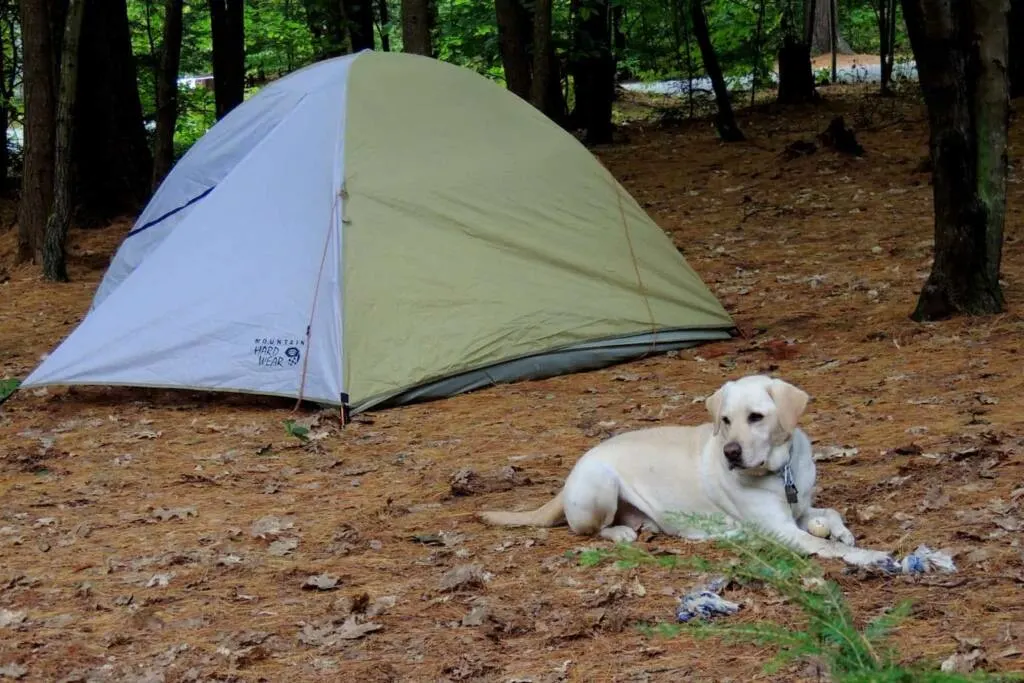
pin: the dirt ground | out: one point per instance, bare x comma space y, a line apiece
164, 536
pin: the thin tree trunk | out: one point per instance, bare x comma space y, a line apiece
545, 92
227, 24
515, 35
167, 91
755, 73
725, 121
833, 36
5, 106
40, 120
384, 17
417, 27
55, 240
961, 51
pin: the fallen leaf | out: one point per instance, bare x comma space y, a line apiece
13, 670
323, 582
476, 616
271, 525
283, 546
10, 618
963, 663
835, 452
159, 580
465, 576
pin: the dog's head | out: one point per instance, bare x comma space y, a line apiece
752, 416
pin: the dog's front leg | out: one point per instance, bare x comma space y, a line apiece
785, 528
837, 528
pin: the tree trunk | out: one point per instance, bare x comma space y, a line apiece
227, 25
725, 121
5, 106
886, 43
1016, 48
796, 79
56, 235
961, 50
111, 160
167, 92
821, 37
545, 93
834, 37
384, 18
40, 120
515, 35
10, 74
360, 18
417, 27
593, 70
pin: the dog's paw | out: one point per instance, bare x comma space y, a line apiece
874, 559
844, 536
619, 534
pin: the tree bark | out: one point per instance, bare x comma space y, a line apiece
112, 161
360, 18
167, 91
821, 36
515, 35
886, 19
55, 239
1016, 48
725, 120
417, 27
39, 134
227, 24
10, 73
545, 91
961, 51
593, 69
796, 79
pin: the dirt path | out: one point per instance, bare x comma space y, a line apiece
162, 536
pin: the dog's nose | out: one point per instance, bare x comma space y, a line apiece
733, 453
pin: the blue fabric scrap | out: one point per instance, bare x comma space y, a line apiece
704, 602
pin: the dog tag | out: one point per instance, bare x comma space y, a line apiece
790, 485
791, 493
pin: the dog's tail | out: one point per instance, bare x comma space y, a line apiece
550, 514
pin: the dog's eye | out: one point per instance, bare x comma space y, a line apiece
755, 417
726, 420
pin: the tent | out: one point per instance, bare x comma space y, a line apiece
380, 228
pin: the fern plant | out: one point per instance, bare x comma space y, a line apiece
829, 633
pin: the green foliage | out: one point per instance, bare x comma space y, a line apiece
829, 632
8, 387
292, 428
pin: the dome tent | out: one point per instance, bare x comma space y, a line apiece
380, 228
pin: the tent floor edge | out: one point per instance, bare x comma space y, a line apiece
579, 358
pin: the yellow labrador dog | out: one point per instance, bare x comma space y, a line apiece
750, 463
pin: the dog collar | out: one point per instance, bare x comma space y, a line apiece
787, 478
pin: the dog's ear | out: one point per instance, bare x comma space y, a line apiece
790, 403
714, 405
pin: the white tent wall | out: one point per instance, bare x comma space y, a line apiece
210, 160
225, 299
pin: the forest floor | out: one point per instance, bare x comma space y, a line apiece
151, 536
